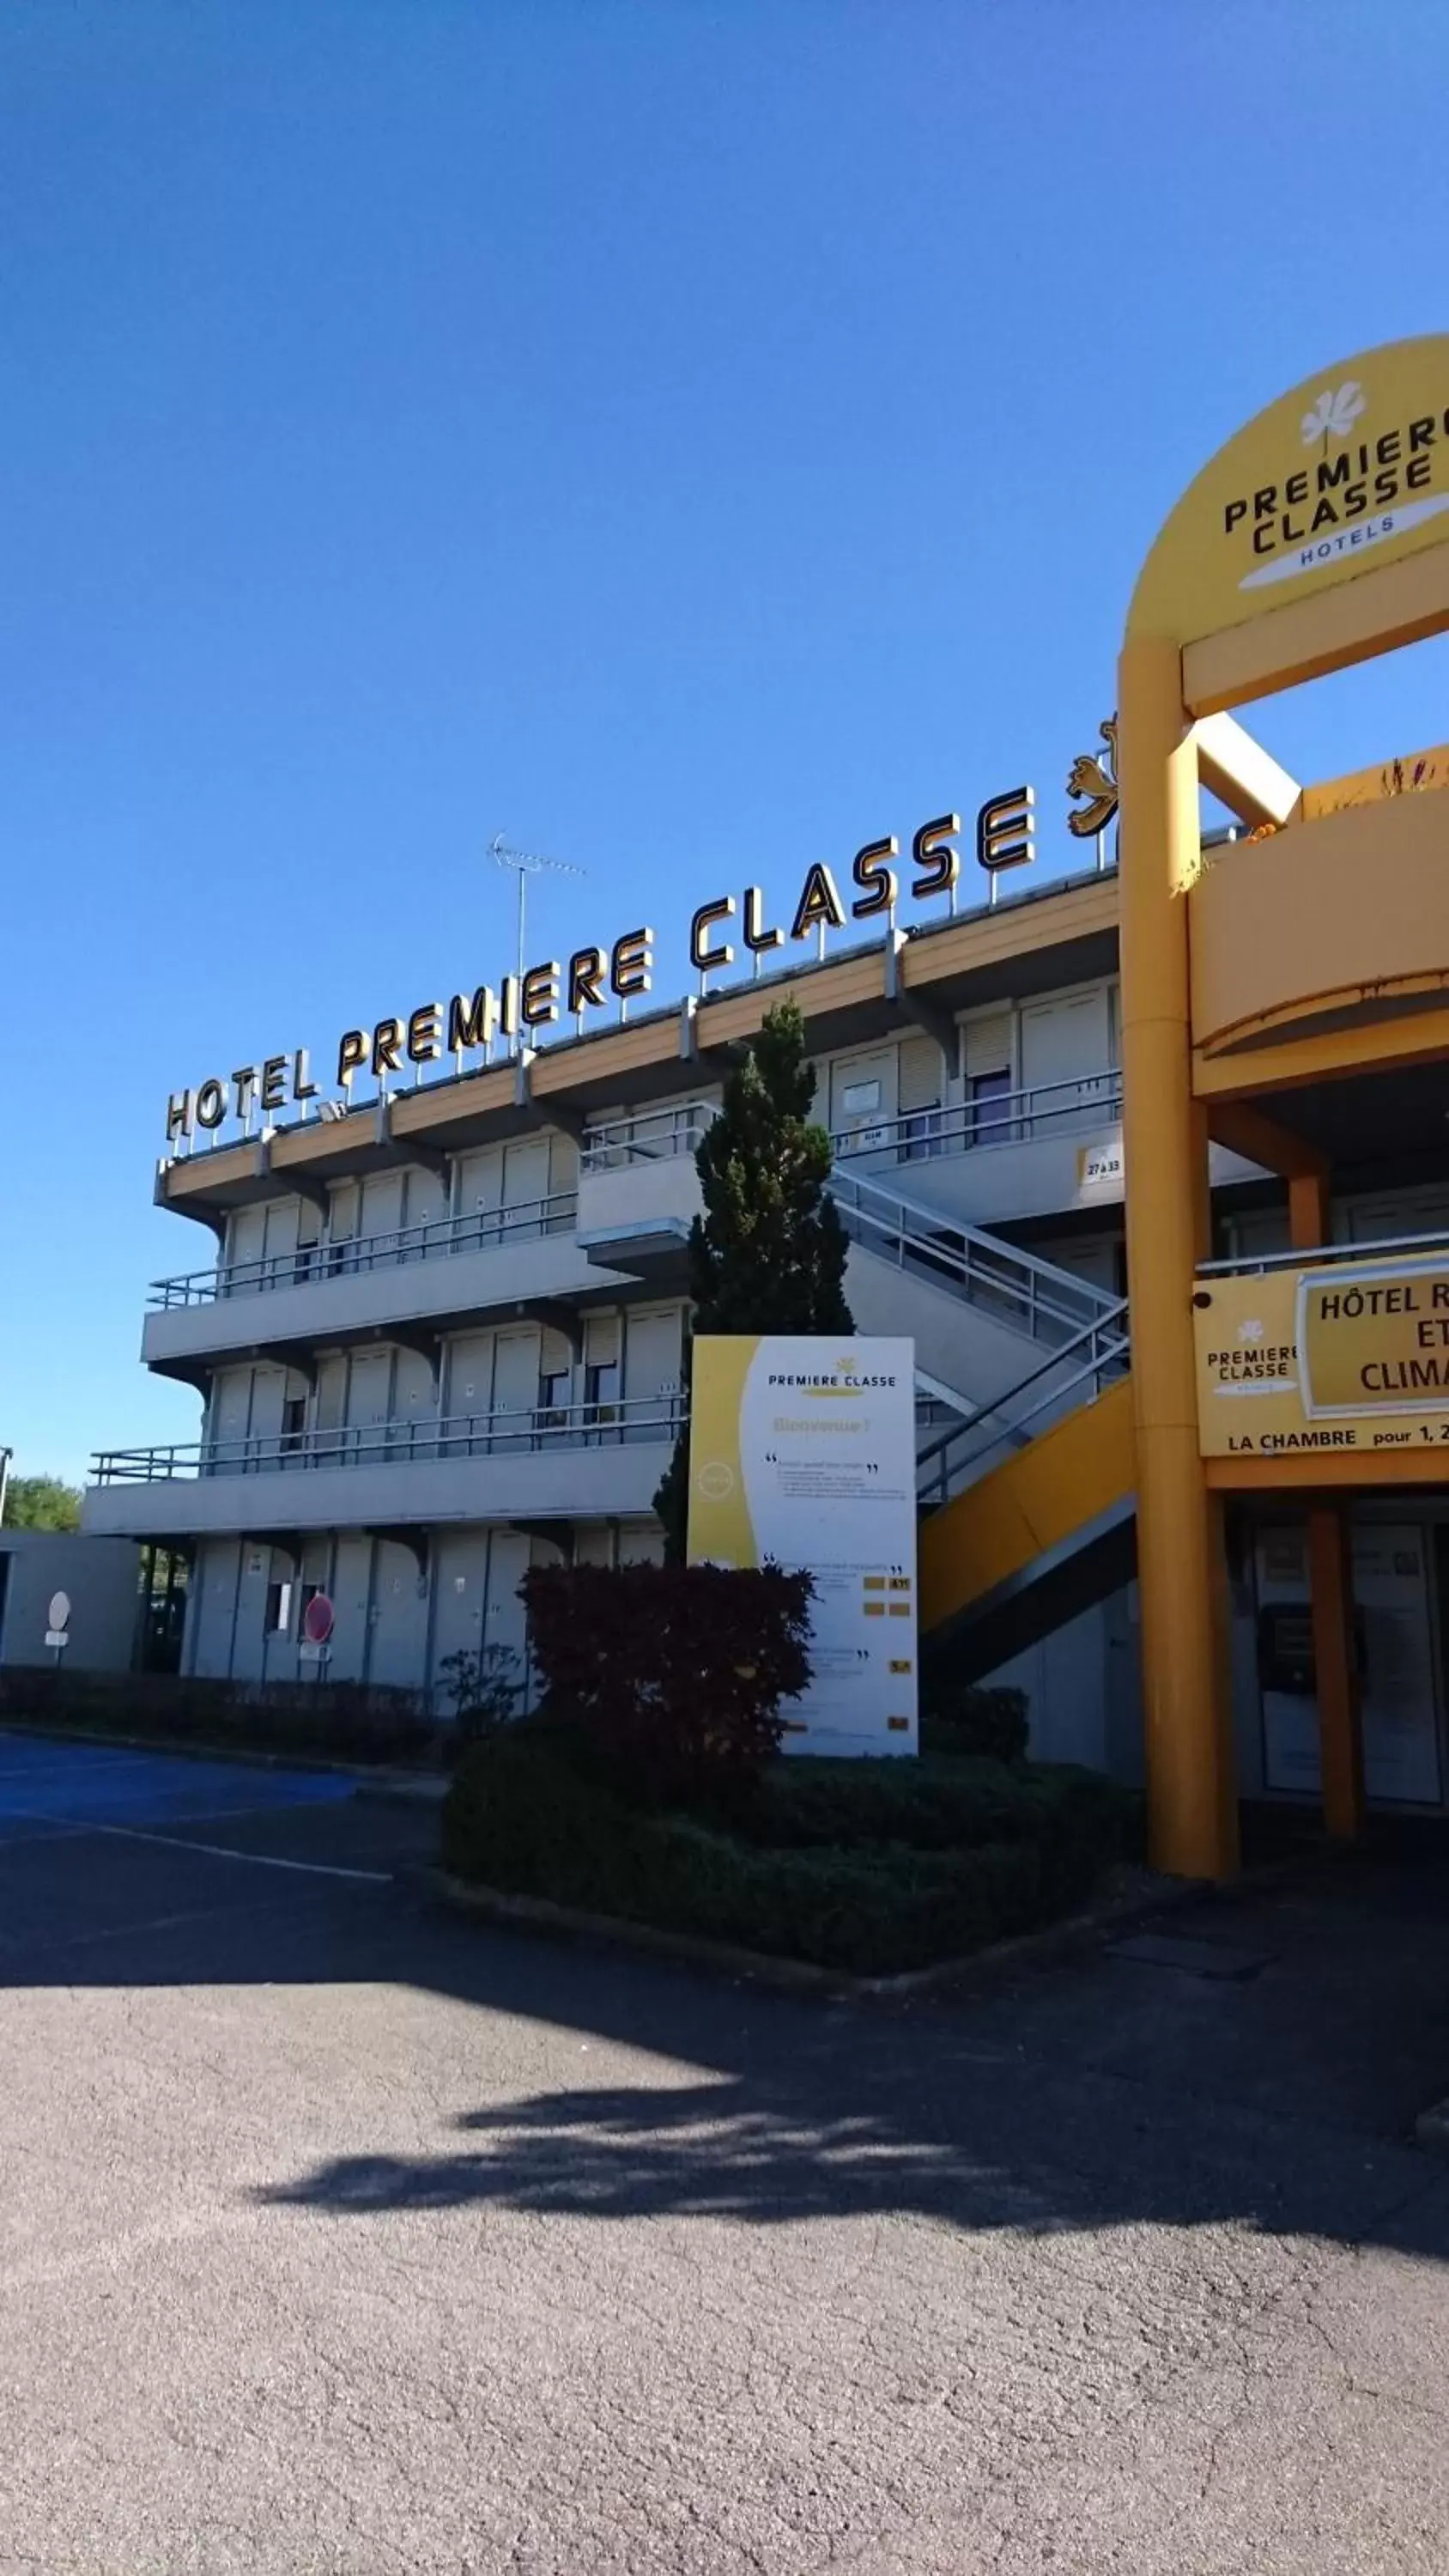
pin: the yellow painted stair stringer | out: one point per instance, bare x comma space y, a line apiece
1033, 1501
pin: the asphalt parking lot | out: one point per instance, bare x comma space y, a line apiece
341, 2235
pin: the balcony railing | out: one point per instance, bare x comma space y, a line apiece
1006, 1118
476, 1231
650, 1136
653, 1136
498, 1434
1253, 1265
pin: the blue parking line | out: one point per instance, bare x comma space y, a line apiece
42, 1781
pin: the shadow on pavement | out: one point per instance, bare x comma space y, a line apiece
1096, 2092
1101, 2091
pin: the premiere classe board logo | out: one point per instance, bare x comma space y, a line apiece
1351, 486
844, 1377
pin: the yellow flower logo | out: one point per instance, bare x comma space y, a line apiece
1334, 414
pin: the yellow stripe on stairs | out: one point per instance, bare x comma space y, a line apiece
1033, 1501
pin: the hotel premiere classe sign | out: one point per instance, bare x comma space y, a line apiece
1349, 1356
594, 978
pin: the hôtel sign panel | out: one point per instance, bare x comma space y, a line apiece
1352, 1355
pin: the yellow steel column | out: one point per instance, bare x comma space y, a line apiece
1340, 1725
1308, 1211
1330, 1585
1192, 1800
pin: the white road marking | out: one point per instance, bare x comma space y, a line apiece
218, 1851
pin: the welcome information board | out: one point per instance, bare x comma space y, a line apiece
803, 1453
1352, 1355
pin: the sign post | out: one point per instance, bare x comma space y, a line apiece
803, 1454
57, 1624
318, 1621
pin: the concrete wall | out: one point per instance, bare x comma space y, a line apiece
102, 1577
393, 1626
1083, 1689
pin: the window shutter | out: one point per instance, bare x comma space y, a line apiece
988, 1044
601, 1340
554, 1356
920, 1074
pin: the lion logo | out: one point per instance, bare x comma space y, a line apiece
1097, 780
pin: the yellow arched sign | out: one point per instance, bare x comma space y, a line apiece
1348, 471
1311, 542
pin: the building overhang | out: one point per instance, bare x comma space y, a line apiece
1062, 933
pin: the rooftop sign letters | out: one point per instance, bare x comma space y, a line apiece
1347, 470
594, 978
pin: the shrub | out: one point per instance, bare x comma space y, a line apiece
871, 1913
525, 1815
1080, 1822
677, 1672
968, 1717
485, 1686
926, 1805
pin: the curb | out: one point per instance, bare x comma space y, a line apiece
374, 1780
401, 1788
794, 1976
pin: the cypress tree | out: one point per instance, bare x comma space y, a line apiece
768, 1255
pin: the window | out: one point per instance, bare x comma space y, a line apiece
920, 1068
859, 1099
294, 1423
279, 1609
988, 1095
601, 1391
309, 1228
554, 1389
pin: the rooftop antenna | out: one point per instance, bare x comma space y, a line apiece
526, 864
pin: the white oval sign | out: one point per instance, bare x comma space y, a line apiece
59, 1612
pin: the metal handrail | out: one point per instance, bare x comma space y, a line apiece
647, 1136
980, 1266
464, 1435
964, 1126
470, 1231
1252, 1266
939, 1462
650, 1135
1010, 1117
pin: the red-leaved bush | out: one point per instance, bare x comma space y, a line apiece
678, 1670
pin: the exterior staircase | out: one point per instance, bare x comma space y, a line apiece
980, 1309
1029, 1513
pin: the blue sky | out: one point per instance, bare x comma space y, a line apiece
693, 438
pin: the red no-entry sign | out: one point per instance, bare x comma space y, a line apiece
318, 1619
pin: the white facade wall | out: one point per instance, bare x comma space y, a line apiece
395, 1627
101, 1579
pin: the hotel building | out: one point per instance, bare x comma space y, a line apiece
439, 1333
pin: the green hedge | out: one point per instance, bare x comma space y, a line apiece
856, 1875
929, 1804
968, 1717
336, 1721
